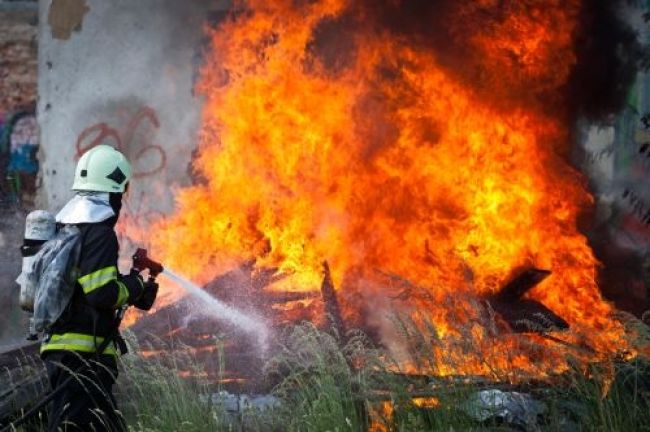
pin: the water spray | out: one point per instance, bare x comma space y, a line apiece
215, 307
220, 310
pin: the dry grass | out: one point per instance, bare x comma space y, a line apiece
329, 384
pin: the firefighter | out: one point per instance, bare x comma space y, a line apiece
87, 401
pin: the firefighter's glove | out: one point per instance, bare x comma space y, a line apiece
134, 285
149, 293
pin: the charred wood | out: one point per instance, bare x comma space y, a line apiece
528, 316
12, 356
525, 315
521, 284
332, 308
22, 380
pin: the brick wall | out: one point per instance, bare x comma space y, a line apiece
18, 61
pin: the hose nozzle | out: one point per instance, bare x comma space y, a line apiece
141, 262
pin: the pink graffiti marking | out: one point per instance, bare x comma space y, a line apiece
126, 141
96, 134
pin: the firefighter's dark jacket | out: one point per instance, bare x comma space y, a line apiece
100, 290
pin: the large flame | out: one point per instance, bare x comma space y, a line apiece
359, 147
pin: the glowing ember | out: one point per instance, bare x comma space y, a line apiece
328, 136
381, 414
426, 402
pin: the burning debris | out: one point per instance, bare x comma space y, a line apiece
366, 136
398, 167
525, 315
332, 308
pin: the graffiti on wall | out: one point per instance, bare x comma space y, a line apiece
137, 139
617, 162
134, 140
632, 168
24, 143
19, 141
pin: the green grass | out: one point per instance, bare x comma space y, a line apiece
327, 388
154, 397
604, 398
329, 384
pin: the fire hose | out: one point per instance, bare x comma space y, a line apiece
140, 262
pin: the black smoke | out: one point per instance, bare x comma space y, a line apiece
608, 57
608, 52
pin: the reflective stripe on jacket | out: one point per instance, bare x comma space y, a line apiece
76, 342
100, 290
99, 279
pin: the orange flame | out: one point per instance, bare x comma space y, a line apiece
387, 162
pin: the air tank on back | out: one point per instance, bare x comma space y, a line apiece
40, 226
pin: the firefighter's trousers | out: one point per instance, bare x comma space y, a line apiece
87, 402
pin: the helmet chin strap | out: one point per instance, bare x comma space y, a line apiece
115, 200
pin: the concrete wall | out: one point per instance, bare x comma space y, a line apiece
618, 164
120, 72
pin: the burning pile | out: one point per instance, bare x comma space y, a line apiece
417, 147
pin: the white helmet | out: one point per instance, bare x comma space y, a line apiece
102, 169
